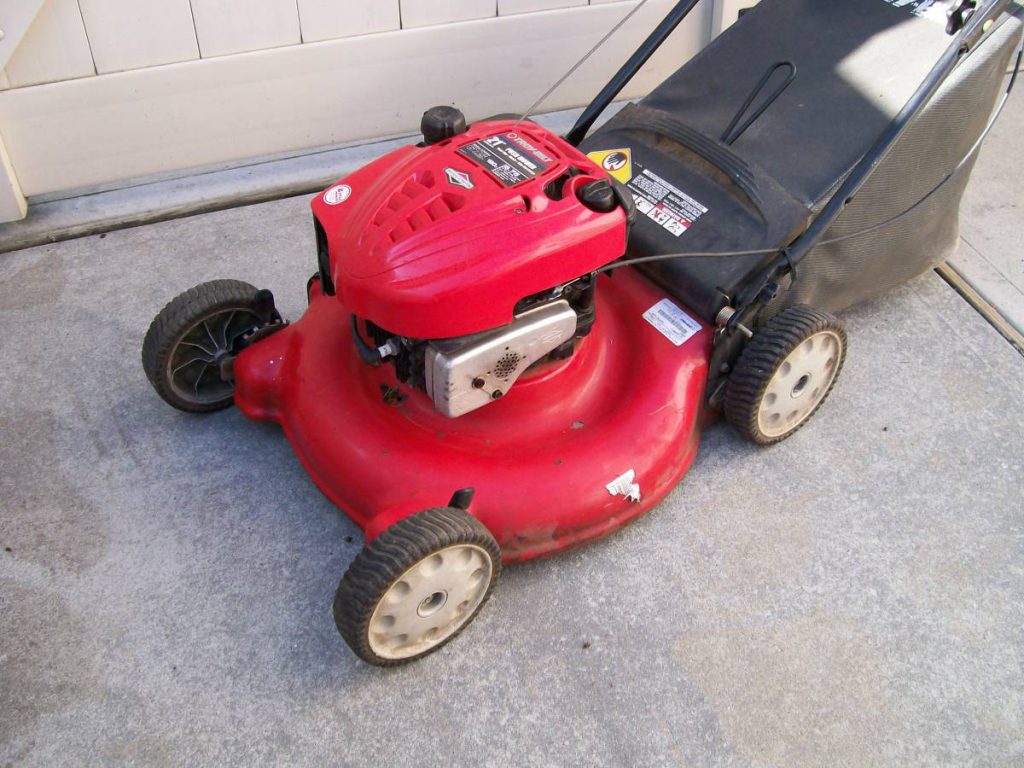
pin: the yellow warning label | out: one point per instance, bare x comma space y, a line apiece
618, 163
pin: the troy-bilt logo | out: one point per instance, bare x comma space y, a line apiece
528, 146
459, 178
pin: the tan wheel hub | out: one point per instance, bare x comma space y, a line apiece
430, 602
800, 384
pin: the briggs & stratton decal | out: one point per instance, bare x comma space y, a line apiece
459, 178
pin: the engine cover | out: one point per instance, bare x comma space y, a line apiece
443, 241
467, 373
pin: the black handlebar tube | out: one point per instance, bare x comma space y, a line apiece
667, 26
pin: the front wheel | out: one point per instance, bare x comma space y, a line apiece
194, 337
416, 586
785, 373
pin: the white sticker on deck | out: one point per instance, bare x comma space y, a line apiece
625, 485
674, 324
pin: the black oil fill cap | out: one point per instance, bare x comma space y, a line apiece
598, 196
440, 123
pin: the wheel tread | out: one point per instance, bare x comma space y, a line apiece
172, 321
387, 557
763, 355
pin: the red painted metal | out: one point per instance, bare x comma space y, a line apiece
406, 234
539, 458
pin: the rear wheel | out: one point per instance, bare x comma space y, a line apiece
785, 373
416, 586
191, 340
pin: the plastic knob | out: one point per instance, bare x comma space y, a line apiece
440, 123
598, 196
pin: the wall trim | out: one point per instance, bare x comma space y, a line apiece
100, 129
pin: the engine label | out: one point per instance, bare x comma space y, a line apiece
459, 178
673, 323
508, 157
664, 203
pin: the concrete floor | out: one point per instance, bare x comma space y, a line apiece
850, 597
990, 255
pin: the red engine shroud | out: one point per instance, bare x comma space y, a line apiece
425, 223
540, 458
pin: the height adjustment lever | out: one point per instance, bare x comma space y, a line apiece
959, 15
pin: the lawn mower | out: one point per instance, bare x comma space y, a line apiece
514, 338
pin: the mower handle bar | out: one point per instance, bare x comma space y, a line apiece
626, 72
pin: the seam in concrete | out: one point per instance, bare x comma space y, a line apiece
982, 306
992, 264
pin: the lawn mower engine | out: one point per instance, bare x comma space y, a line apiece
469, 259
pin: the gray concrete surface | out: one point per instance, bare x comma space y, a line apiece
991, 254
850, 597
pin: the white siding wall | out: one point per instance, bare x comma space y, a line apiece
224, 27
54, 48
506, 7
330, 19
424, 13
132, 34
102, 90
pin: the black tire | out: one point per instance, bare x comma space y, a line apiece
392, 556
200, 325
752, 398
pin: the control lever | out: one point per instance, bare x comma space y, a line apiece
959, 15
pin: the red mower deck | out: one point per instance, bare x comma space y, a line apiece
540, 459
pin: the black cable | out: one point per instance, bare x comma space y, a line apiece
369, 355
866, 231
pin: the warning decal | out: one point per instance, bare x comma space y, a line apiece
618, 162
674, 324
663, 203
508, 157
